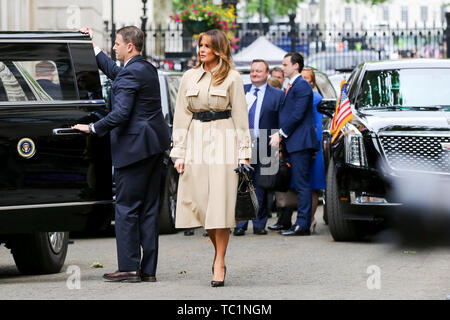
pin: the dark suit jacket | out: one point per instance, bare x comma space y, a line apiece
268, 117
273, 97
137, 126
52, 89
297, 117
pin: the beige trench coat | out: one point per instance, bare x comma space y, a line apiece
211, 150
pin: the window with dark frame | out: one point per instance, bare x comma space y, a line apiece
36, 72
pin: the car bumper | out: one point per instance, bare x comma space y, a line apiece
369, 194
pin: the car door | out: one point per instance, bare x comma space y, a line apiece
45, 88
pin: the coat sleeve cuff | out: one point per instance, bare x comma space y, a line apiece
178, 153
245, 153
283, 134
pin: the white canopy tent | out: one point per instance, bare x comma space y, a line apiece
261, 48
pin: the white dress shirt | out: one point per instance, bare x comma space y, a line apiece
261, 93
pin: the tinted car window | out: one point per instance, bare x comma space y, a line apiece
36, 73
88, 81
325, 87
405, 87
173, 82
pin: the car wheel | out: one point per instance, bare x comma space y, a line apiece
169, 203
40, 253
340, 228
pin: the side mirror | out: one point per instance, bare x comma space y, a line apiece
327, 107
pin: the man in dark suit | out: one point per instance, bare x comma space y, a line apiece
298, 130
45, 74
139, 137
263, 102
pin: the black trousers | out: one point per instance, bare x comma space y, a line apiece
285, 217
137, 206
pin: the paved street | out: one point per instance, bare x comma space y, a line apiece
259, 267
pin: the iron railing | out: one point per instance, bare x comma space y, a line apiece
328, 49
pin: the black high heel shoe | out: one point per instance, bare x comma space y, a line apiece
219, 283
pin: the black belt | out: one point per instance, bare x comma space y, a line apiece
206, 116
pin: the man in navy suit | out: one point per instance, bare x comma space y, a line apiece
139, 137
45, 74
298, 131
263, 105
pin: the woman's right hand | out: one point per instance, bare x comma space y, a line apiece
179, 165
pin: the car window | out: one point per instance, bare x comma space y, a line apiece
324, 86
86, 71
353, 83
36, 72
173, 82
10, 89
399, 87
164, 97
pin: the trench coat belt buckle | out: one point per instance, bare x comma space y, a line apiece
206, 116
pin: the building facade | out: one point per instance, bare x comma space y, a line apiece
54, 15
393, 13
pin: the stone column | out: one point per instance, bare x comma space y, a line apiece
4, 15
160, 13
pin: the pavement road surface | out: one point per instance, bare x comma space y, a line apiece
258, 267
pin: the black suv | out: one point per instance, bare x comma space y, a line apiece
53, 179
400, 128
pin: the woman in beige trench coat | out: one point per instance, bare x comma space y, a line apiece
211, 138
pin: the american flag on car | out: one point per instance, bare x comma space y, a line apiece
343, 112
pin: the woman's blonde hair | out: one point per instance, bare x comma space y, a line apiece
222, 49
313, 76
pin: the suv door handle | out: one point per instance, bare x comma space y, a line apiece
65, 132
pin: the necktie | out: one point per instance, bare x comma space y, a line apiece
287, 89
252, 111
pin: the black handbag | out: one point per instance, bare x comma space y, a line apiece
246, 202
280, 181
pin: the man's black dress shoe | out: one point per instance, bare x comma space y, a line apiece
278, 227
189, 232
260, 231
238, 232
118, 276
296, 231
148, 277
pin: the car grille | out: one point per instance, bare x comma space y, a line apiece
417, 153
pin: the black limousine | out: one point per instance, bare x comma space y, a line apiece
400, 129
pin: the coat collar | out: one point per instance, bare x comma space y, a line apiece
295, 80
200, 71
290, 90
293, 84
134, 59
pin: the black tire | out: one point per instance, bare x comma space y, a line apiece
340, 228
168, 205
40, 253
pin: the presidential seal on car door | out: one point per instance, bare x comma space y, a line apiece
26, 148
